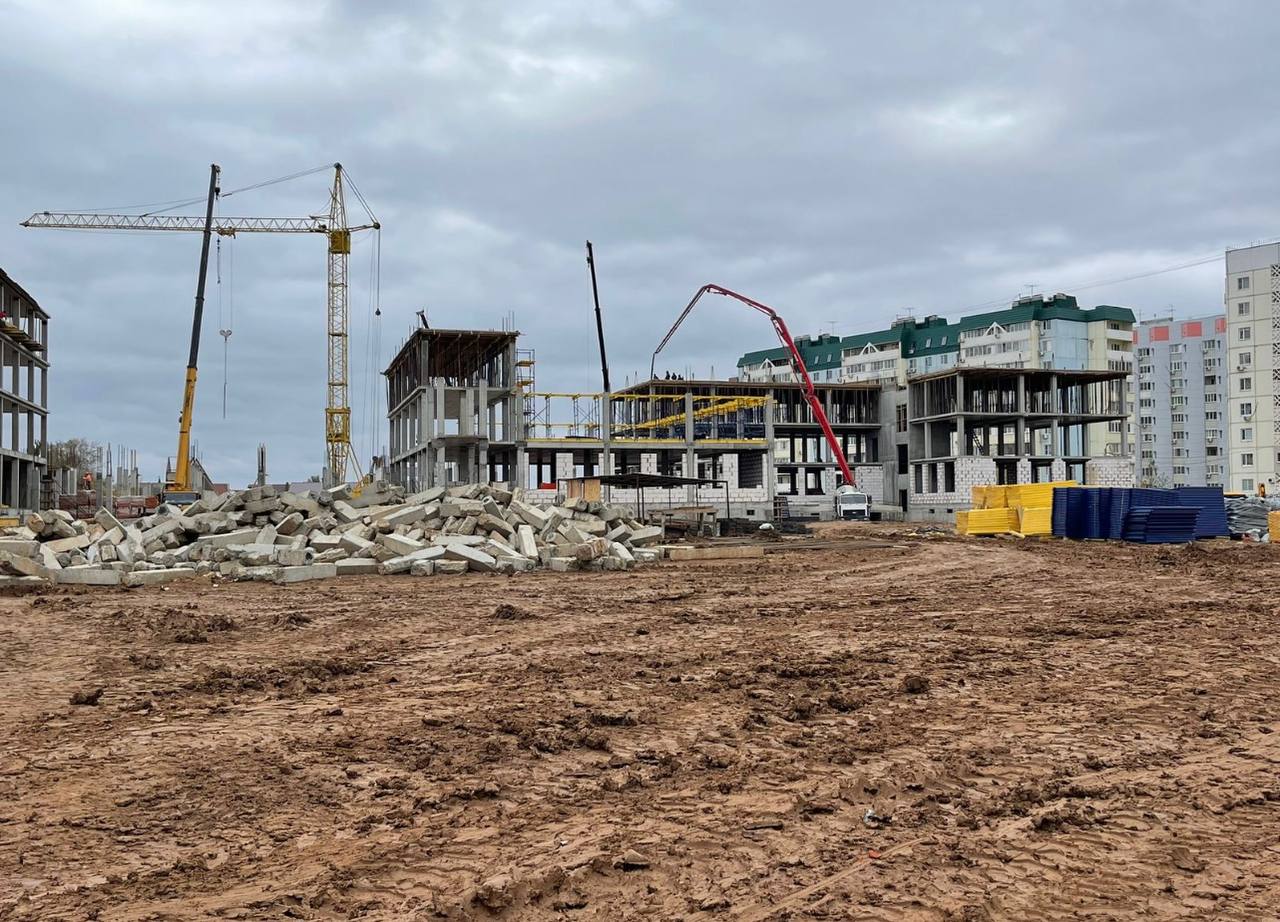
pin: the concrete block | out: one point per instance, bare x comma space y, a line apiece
422, 568
490, 522
262, 506
525, 541
307, 573
333, 555
322, 542
20, 547
406, 515
562, 564
49, 559
345, 512
88, 576
642, 537
290, 524
353, 543
353, 566
400, 544
256, 574
621, 552
475, 558
267, 535
294, 557
530, 514
73, 543
443, 567
21, 565
228, 538
157, 577
304, 506
106, 518
469, 540
426, 497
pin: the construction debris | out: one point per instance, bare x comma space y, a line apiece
259, 534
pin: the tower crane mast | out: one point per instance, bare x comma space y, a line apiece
333, 225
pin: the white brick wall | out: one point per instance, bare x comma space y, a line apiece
1109, 472
970, 472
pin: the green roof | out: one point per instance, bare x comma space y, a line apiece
935, 335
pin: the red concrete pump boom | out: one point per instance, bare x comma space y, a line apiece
780, 327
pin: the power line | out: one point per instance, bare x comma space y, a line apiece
1101, 283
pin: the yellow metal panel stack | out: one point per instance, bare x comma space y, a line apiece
1273, 525
991, 521
1035, 520
1025, 508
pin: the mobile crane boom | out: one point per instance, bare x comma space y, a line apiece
181, 483
797, 362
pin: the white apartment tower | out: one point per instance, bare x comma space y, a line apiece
1182, 402
1252, 301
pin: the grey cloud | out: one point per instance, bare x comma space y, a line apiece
844, 162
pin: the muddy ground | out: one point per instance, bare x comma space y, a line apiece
938, 730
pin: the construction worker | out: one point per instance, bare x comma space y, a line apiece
86, 482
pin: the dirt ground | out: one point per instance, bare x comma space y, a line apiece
939, 729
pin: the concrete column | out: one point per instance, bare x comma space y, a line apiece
14, 497
426, 408
770, 472
482, 408
690, 456
606, 448
439, 401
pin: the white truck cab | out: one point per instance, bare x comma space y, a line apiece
851, 503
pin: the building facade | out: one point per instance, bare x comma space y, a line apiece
24, 397
1036, 431
1182, 406
1252, 301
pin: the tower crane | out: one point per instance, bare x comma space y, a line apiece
337, 428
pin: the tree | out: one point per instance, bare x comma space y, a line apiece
80, 454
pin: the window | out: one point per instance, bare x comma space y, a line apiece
1176, 366
1242, 309
1179, 434
1178, 401
1179, 469
1246, 408
1246, 484
1179, 417
1246, 459
1145, 385
1246, 434
1246, 384
1244, 357
1244, 334
1146, 403
1242, 283
1210, 380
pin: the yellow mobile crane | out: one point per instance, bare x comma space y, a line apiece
337, 429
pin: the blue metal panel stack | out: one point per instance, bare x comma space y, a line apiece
1161, 524
1076, 514
1212, 522
1059, 514
1097, 508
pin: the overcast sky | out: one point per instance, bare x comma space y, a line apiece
846, 162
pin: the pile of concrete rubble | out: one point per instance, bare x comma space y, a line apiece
260, 534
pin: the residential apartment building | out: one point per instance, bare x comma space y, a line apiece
1252, 301
24, 397
1181, 413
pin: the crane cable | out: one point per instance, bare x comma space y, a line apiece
373, 348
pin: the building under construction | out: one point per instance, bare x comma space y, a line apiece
462, 408
24, 396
